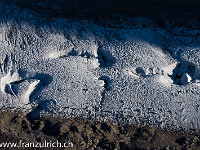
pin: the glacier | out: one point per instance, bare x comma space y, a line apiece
134, 74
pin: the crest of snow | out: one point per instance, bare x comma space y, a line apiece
31, 88
186, 78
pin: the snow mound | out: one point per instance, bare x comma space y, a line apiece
18, 87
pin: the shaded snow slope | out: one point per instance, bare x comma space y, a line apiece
69, 68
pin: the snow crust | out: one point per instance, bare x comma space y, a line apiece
72, 68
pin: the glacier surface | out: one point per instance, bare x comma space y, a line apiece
138, 74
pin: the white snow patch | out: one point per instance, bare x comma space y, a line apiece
57, 54
31, 88
7, 79
166, 80
169, 69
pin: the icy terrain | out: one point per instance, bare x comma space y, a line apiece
136, 74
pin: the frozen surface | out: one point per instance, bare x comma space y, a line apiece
69, 68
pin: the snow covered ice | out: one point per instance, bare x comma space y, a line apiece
69, 68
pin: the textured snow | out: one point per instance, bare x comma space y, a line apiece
70, 68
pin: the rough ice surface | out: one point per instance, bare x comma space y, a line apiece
72, 68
